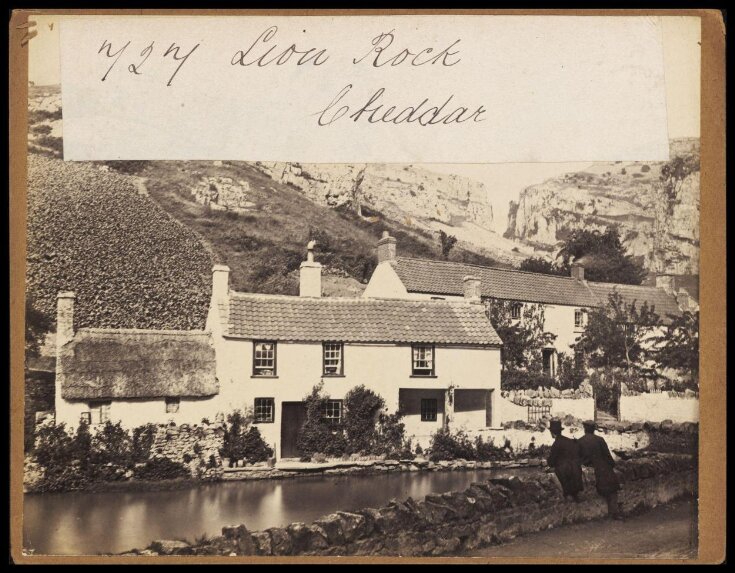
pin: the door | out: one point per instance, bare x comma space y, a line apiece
548, 361
293, 415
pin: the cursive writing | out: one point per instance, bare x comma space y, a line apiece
316, 57
135, 68
383, 41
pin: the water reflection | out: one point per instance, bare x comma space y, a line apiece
88, 523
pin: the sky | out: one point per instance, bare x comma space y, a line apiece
681, 52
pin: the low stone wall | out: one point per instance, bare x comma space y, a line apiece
659, 406
197, 447
486, 513
578, 403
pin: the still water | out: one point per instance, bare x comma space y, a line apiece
81, 523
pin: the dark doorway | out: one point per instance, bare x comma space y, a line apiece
547, 355
293, 415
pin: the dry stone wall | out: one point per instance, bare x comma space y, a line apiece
196, 447
488, 512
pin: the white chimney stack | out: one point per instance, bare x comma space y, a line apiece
386, 248
666, 282
220, 282
577, 271
64, 318
472, 291
310, 277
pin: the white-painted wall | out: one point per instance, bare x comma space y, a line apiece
580, 408
656, 407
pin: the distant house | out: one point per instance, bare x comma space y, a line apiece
438, 362
565, 300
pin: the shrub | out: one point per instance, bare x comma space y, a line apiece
161, 468
524, 380
143, 437
112, 445
362, 407
316, 435
571, 372
254, 447
488, 451
391, 435
446, 445
54, 448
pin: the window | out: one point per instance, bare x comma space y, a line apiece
172, 405
264, 410
332, 353
515, 310
333, 412
579, 318
99, 412
264, 359
428, 409
423, 360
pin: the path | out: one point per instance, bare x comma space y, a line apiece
667, 531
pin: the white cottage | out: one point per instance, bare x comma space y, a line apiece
565, 300
438, 362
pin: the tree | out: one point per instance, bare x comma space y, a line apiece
522, 338
606, 259
616, 334
362, 408
678, 346
37, 325
447, 242
541, 265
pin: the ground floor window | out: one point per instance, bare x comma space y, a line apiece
99, 412
172, 405
428, 409
333, 412
264, 410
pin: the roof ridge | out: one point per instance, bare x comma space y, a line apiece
147, 331
346, 299
486, 267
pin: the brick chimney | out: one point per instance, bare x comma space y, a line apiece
666, 282
64, 318
220, 282
472, 291
577, 271
310, 277
386, 248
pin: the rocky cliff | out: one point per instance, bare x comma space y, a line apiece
655, 206
404, 193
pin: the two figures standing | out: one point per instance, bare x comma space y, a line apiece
568, 455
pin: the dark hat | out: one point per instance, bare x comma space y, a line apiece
555, 426
589, 425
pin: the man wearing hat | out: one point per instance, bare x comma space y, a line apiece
595, 453
565, 459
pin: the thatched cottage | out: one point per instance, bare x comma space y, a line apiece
439, 361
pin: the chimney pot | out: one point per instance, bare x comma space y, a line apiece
220, 281
64, 317
310, 274
386, 248
577, 272
472, 291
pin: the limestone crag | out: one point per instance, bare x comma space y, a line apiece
406, 193
659, 226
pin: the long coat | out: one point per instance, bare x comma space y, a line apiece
595, 453
565, 459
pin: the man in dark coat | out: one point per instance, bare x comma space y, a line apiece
565, 459
595, 453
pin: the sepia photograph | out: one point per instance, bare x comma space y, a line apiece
292, 352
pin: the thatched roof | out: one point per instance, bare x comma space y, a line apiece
117, 364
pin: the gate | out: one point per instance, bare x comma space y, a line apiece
536, 413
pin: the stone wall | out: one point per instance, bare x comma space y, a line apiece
486, 513
197, 447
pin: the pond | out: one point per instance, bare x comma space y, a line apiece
85, 523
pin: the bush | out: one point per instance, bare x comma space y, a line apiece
143, 437
362, 408
161, 468
524, 380
391, 436
243, 441
571, 373
112, 445
54, 448
448, 446
488, 451
316, 435
254, 447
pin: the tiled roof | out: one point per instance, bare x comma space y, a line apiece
275, 317
444, 277
664, 304
115, 363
